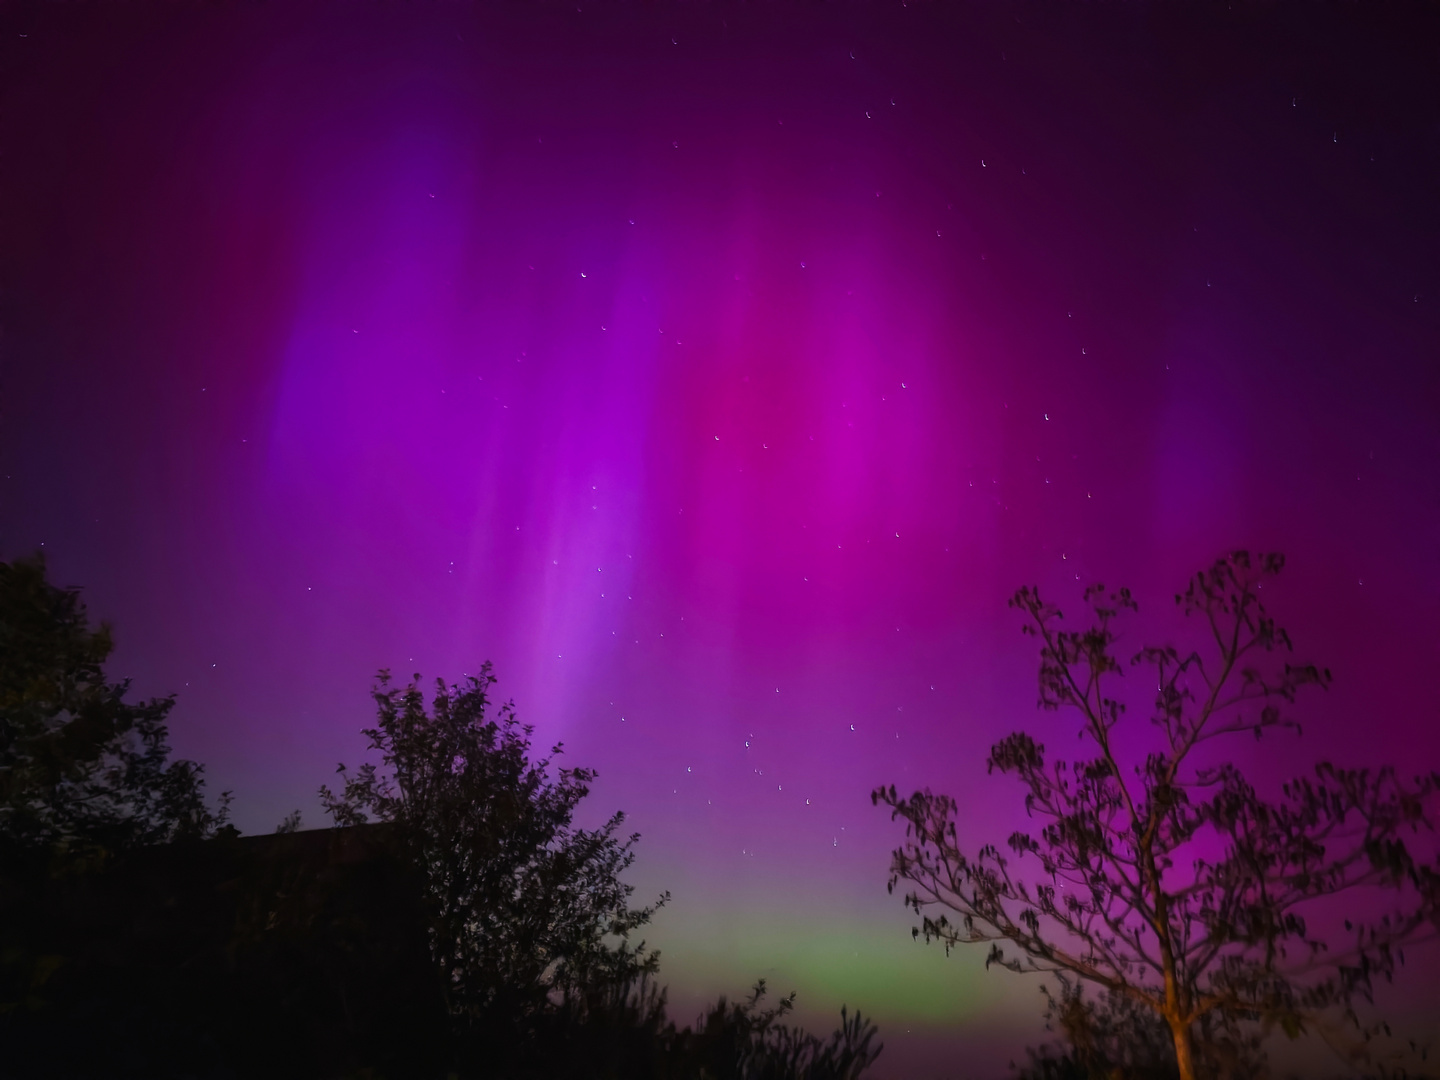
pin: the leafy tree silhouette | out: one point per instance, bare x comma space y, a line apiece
83, 772
87, 786
530, 923
1181, 891
525, 909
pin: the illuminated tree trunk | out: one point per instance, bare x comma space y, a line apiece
1184, 1050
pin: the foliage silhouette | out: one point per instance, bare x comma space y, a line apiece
1182, 891
524, 907
742, 1040
83, 772
86, 779
530, 923
623, 1033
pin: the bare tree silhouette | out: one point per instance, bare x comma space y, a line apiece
1180, 888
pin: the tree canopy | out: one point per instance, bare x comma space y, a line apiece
530, 920
1176, 887
524, 905
83, 771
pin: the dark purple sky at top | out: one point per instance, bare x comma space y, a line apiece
718, 371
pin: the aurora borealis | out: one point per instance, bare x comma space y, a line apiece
718, 371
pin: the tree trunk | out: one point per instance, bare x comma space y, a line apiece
1184, 1050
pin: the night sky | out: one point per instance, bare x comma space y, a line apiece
718, 371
